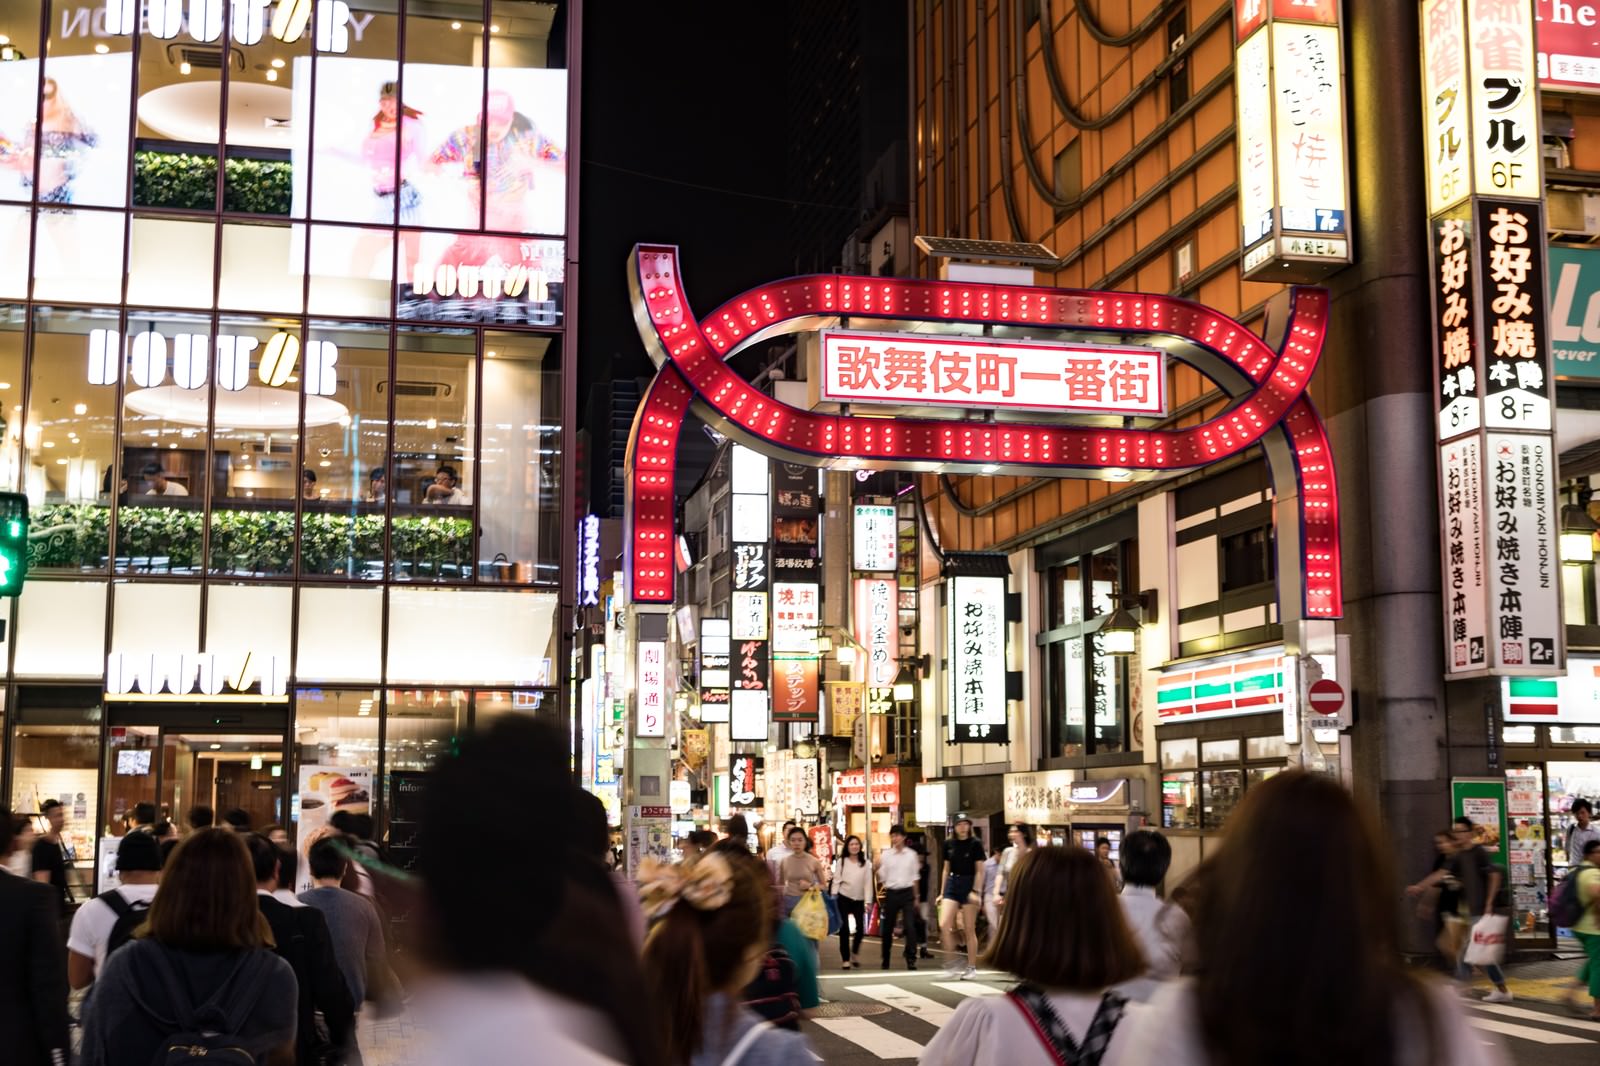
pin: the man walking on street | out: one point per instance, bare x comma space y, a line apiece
1482, 895
50, 854
1579, 833
33, 980
963, 891
897, 872
300, 937
352, 922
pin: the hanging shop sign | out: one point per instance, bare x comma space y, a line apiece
1039, 797
795, 616
976, 647
1569, 44
1575, 311
909, 369
1480, 101
1492, 341
875, 631
743, 785
850, 788
1294, 188
790, 564
1251, 685
794, 688
805, 788
589, 562
1570, 700
747, 718
875, 544
198, 676
750, 569
845, 700
715, 669
749, 615
652, 689
794, 491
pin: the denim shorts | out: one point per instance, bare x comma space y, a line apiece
959, 886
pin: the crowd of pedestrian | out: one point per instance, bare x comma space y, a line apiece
204, 953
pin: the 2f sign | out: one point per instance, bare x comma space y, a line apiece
166, 19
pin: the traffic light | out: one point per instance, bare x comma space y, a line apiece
13, 542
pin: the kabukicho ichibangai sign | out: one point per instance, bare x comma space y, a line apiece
1265, 377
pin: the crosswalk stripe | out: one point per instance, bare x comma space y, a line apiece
874, 1038
1524, 1032
1539, 1016
921, 1007
969, 988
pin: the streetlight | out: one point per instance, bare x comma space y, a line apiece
1577, 534
1118, 633
905, 684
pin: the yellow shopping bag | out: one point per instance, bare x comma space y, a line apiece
811, 915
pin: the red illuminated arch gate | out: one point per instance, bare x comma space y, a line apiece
1267, 382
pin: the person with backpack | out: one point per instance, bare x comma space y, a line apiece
1579, 896
300, 937
1160, 926
1064, 937
108, 921
198, 983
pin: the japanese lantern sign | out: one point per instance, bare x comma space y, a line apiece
794, 688
1294, 188
977, 657
1527, 629
794, 616
1465, 557
742, 787
652, 689
1460, 400
715, 669
1447, 131
1505, 98
875, 539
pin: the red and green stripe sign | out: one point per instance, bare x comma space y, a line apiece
1532, 697
1244, 686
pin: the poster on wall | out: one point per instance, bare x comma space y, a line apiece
323, 791
1483, 800
85, 129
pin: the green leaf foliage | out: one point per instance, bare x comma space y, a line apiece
188, 181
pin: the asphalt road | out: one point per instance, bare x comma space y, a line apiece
908, 1008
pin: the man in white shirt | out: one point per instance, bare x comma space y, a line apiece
139, 869
1581, 831
898, 870
446, 489
159, 483
780, 848
1162, 928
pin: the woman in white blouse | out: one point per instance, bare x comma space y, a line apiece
855, 888
1064, 936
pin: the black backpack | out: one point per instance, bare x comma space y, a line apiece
208, 1034
130, 916
773, 993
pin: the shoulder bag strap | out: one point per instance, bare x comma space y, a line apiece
1046, 1024
746, 1042
1098, 1036
118, 903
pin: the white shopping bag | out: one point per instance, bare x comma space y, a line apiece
1488, 944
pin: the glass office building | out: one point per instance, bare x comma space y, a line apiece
283, 375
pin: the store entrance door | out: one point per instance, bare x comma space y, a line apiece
177, 759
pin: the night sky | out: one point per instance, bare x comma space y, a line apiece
666, 97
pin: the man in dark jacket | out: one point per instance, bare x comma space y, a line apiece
33, 968
301, 935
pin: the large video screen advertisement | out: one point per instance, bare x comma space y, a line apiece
82, 144
447, 133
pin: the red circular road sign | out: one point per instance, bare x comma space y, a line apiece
1326, 696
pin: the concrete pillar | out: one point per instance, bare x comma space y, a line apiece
1379, 408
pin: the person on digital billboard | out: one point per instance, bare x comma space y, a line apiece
515, 150
61, 140
394, 141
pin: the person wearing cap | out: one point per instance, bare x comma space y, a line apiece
160, 484
138, 868
963, 891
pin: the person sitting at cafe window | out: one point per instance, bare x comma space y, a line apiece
377, 486
160, 484
446, 489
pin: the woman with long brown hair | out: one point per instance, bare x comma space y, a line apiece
201, 963
1064, 936
1298, 948
712, 920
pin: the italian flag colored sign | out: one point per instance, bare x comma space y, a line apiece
1216, 690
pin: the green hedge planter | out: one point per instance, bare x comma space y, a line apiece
178, 179
254, 543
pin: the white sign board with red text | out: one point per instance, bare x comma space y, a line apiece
913, 370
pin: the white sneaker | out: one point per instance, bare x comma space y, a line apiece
968, 972
1498, 996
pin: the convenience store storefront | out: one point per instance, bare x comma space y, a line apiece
1551, 732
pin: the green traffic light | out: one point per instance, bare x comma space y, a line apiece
14, 529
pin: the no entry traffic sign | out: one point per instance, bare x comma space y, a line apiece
1326, 700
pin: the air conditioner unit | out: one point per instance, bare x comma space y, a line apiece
267, 447
1573, 213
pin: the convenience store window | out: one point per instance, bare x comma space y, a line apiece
1202, 781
